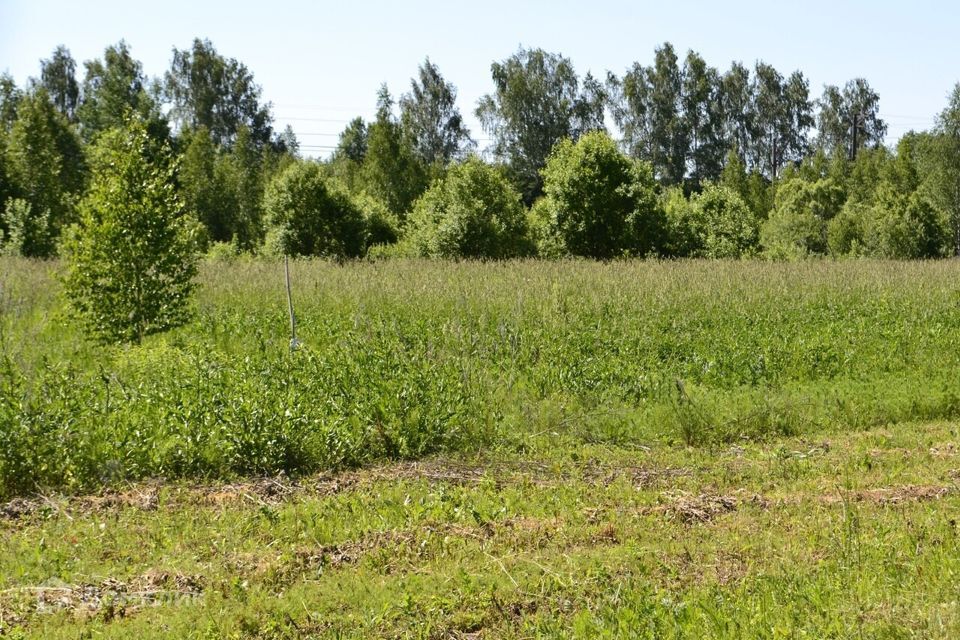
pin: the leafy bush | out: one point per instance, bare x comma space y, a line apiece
29, 233
906, 226
131, 259
604, 205
547, 243
797, 226
310, 218
382, 226
895, 226
846, 232
715, 223
472, 212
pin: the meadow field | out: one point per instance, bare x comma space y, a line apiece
509, 449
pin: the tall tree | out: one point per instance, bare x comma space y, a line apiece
347, 160
391, 171
10, 96
941, 165
782, 116
353, 141
630, 105
536, 102
208, 90
47, 164
114, 88
738, 116
669, 135
205, 190
244, 167
799, 118
850, 119
647, 106
431, 120
703, 119
58, 75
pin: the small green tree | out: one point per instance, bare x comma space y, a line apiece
715, 223
604, 204
26, 234
798, 223
473, 212
132, 257
309, 218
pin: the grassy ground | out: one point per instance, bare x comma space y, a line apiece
541, 449
407, 359
854, 535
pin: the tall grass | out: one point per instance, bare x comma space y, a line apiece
404, 358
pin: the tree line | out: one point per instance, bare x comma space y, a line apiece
673, 158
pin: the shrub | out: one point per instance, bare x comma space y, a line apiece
715, 223
382, 226
846, 232
906, 226
29, 233
604, 204
798, 223
895, 226
310, 218
472, 212
132, 258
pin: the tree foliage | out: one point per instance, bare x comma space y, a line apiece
849, 120
47, 167
391, 171
431, 120
472, 212
603, 204
131, 259
537, 101
797, 226
715, 223
218, 93
309, 218
114, 88
58, 75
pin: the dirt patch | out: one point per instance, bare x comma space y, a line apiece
107, 599
705, 507
945, 450
641, 478
314, 561
889, 496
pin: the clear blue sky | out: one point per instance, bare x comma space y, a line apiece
320, 63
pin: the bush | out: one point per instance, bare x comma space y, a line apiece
132, 258
472, 212
604, 205
798, 223
906, 226
846, 232
715, 223
309, 218
382, 226
896, 226
29, 233
546, 241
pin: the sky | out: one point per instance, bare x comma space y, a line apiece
321, 63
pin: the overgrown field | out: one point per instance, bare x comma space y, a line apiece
407, 358
526, 449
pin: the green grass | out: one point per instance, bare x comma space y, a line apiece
849, 536
407, 358
527, 449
